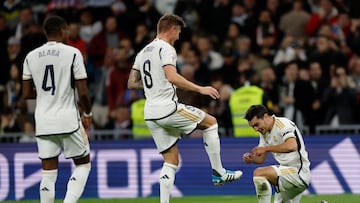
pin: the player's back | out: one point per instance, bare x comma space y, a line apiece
51, 68
160, 94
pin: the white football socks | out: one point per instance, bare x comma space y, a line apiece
212, 147
167, 178
263, 189
77, 183
47, 186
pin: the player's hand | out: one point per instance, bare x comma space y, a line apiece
86, 121
258, 151
247, 157
212, 92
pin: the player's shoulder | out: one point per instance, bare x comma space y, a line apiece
69, 48
283, 123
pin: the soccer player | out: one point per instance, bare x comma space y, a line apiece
282, 138
154, 70
56, 70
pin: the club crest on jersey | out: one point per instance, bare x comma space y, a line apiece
49, 52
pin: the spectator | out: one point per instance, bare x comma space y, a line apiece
75, 39
238, 14
88, 25
11, 56
327, 13
218, 14
120, 122
4, 35
316, 110
12, 97
26, 17
220, 108
243, 47
268, 82
208, 55
142, 37
287, 91
266, 35
294, 22
339, 100
202, 72
109, 37
328, 55
11, 9
355, 75
8, 124
32, 38
28, 133
116, 84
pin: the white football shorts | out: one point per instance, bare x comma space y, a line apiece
290, 183
166, 132
76, 145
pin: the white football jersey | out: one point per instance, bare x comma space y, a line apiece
161, 98
53, 68
283, 129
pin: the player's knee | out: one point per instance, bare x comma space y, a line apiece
259, 172
208, 122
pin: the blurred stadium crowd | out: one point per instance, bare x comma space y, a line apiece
303, 54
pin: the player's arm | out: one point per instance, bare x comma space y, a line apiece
134, 81
85, 102
289, 145
28, 89
180, 82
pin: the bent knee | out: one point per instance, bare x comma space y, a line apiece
208, 121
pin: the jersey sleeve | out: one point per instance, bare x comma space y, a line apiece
168, 56
136, 64
79, 67
288, 132
26, 71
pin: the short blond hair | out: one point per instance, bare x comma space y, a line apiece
169, 20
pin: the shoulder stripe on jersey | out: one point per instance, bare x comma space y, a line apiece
279, 124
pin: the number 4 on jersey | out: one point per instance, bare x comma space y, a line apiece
45, 87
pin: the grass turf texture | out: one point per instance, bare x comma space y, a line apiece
343, 198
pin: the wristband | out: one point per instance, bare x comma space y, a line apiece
87, 115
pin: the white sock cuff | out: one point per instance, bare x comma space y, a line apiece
49, 172
171, 166
87, 165
213, 127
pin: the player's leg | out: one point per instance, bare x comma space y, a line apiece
168, 171
212, 147
166, 139
263, 178
76, 146
49, 149
290, 186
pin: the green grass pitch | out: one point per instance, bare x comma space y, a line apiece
343, 198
